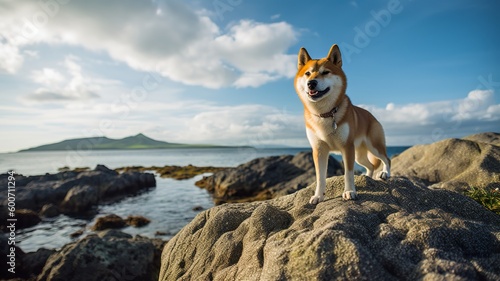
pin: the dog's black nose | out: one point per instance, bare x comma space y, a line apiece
311, 84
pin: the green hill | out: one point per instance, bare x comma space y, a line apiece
139, 141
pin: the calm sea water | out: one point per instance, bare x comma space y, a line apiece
169, 206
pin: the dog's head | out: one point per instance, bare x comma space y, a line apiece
320, 79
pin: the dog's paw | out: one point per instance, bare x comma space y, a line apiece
315, 199
349, 195
383, 175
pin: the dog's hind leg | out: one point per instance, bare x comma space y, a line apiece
385, 173
377, 156
376, 146
362, 159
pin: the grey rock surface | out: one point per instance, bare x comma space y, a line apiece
110, 255
453, 164
397, 230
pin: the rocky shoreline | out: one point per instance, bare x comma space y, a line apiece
73, 192
417, 225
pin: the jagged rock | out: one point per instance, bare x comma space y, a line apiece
26, 218
114, 256
397, 230
265, 178
453, 164
113, 221
80, 198
75, 191
137, 221
77, 233
49, 211
109, 221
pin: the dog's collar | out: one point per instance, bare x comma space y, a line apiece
329, 114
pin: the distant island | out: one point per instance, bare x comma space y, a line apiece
139, 141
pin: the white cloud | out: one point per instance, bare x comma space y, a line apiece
429, 122
48, 77
181, 44
10, 58
70, 86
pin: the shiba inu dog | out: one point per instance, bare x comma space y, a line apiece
334, 124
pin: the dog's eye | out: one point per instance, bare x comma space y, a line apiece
325, 72
307, 73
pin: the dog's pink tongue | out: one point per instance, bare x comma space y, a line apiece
313, 93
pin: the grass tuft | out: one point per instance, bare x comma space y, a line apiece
489, 198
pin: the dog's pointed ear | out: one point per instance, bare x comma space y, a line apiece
334, 55
303, 58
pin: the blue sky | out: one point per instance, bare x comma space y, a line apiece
222, 71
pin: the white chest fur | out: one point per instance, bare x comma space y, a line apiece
324, 131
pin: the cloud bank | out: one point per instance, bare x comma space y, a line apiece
432, 121
184, 45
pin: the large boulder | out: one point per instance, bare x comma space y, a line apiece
111, 255
397, 230
453, 164
265, 178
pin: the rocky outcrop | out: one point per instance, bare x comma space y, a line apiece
397, 230
265, 178
74, 192
110, 255
453, 164
114, 221
137, 221
108, 222
26, 218
49, 211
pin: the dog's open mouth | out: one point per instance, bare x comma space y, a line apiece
315, 94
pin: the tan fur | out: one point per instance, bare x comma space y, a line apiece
354, 132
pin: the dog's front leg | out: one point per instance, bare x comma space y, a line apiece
348, 158
320, 156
